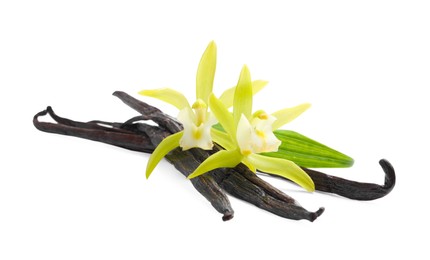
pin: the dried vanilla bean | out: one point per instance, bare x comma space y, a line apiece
352, 189
262, 196
93, 131
149, 112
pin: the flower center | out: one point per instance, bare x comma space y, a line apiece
260, 114
197, 133
200, 109
257, 136
260, 133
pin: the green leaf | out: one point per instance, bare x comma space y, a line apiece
228, 95
206, 73
287, 115
221, 159
218, 126
168, 144
168, 95
282, 167
307, 152
223, 115
242, 102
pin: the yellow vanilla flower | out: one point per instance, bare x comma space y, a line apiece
248, 134
196, 119
257, 136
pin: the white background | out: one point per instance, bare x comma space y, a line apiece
364, 66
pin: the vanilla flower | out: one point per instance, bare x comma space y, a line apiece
257, 136
246, 135
196, 119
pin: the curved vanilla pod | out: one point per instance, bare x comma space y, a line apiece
149, 112
93, 131
352, 189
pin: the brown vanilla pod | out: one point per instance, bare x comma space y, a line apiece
352, 189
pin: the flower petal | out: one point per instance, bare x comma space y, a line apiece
221, 159
222, 138
168, 95
268, 142
287, 115
228, 95
186, 117
242, 102
197, 137
245, 136
249, 164
223, 115
284, 168
168, 144
196, 134
206, 73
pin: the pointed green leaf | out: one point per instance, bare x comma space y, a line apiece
168, 144
206, 73
284, 168
168, 95
242, 102
287, 115
307, 152
228, 95
223, 115
221, 159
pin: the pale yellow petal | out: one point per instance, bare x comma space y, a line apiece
223, 115
196, 133
249, 164
244, 136
242, 102
168, 144
228, 95
168, 95
282, 167
206, 73
287, 115
263, 128
223, 139
221, 159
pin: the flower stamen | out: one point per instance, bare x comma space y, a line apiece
200, 109
261, 115
246, 152
260, 134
